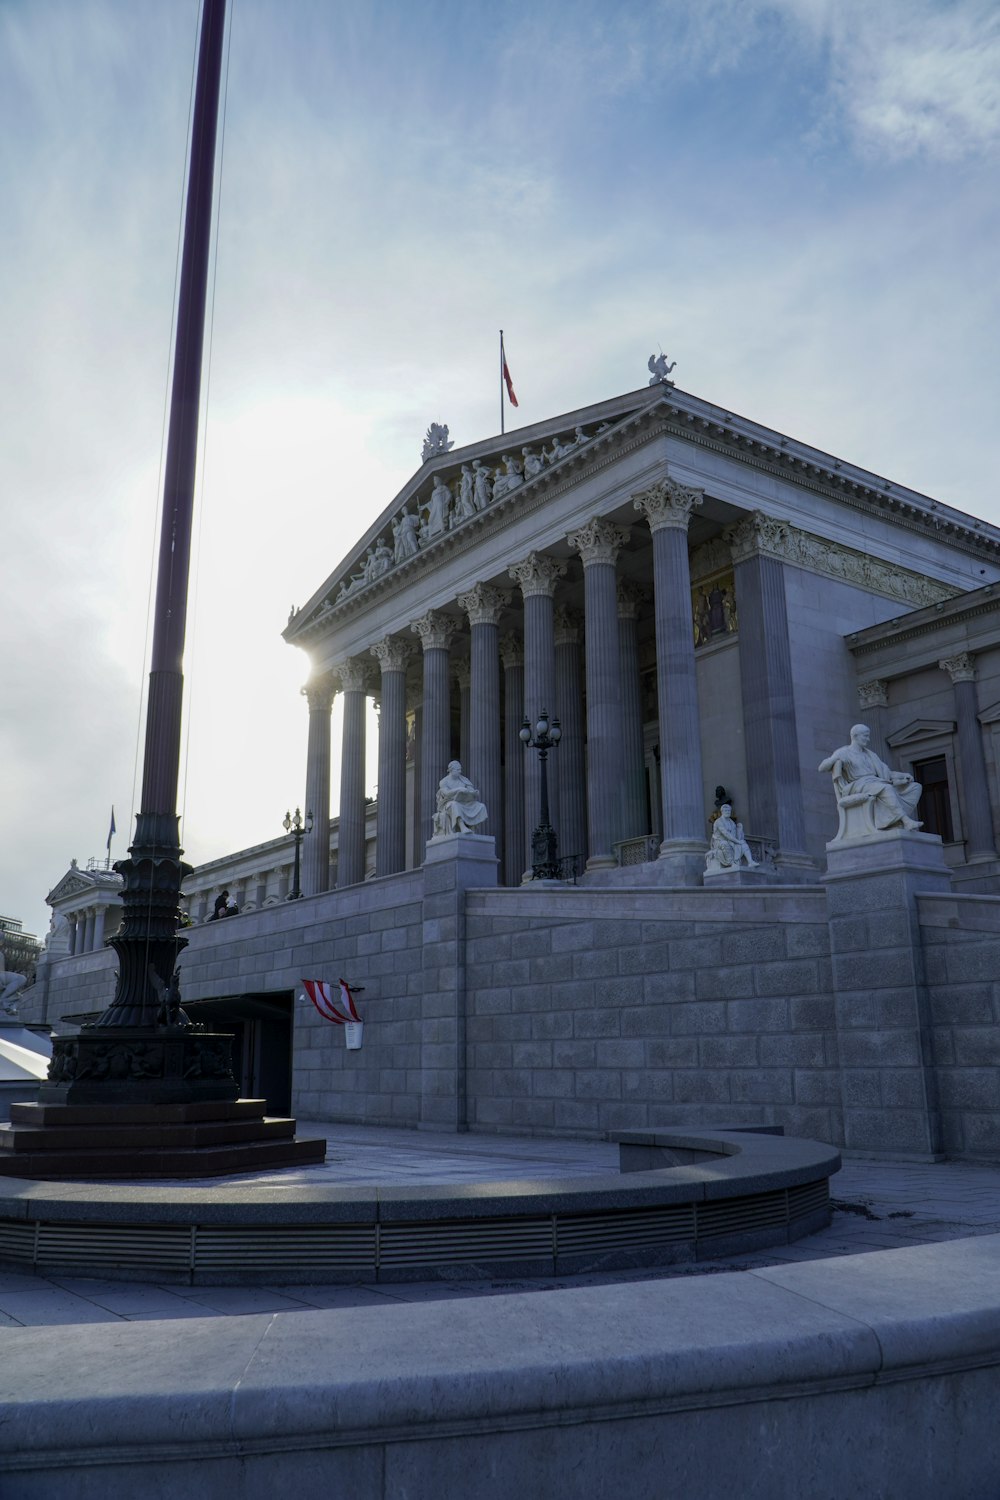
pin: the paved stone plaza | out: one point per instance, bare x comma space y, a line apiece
877, 1206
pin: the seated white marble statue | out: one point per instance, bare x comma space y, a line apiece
459, 809
728, 847
870, 797
9, 986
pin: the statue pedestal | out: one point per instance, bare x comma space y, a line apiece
714, 880
882, 1010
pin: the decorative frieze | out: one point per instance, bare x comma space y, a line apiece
391, 653
435, 630
961, 667
484, 604
598, 542
537, 575
762, 534
668, 503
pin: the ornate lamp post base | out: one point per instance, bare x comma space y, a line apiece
140, 1065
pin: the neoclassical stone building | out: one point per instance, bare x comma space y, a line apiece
676, 583
703, 602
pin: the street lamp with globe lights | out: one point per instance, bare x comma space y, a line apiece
544, 857
295, 826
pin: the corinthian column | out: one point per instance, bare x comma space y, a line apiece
667, 507
351, 848
976, 812
599, 543
537, 576
634, 812
512, 655
484, 605
759, 545
390, 826
319, 693
572, 768
435, 631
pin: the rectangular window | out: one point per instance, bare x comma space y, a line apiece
934, 808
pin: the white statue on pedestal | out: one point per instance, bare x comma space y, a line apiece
459, 809
728, 847
9, 986
870, 797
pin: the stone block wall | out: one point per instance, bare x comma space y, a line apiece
595, 1011
960, 937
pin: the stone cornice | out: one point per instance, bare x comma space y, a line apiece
955, 609
598, 542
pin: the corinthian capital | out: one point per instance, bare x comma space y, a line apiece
537, 574
598, 542
873, 694
961, 667
630, 596
758, 535
511, 651
435, 630
391, 654
354, 674
484, 604
567, 626
319, 692
668, 504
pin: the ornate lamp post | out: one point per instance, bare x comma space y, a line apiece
298, 830
544, 859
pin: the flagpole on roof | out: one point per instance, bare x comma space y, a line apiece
501, 382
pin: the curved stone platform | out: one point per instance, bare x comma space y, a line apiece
725, 1192
870, 1375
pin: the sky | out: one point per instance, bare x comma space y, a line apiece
795, 199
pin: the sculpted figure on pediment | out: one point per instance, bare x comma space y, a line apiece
436, 441
435, 522
580, 437
534, 463
465, 506
558, 450
380, 560
509, 481
405, 536
482, 484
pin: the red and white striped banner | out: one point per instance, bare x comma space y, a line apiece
319, 993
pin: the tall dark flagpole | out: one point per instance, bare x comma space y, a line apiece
148, 939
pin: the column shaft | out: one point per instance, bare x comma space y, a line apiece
315, 868
572, 760
351, 844
635, 817
514, 758
977, 816
435, 631
390, 827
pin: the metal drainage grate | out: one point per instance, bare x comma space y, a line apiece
454, 1241
17, 1243
578, 1234
808, 1199
334, 1247
736, 1215
164, 1245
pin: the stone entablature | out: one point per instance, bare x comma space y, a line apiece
908, 643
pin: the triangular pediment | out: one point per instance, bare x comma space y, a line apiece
440, 499
72, 883
920, 729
